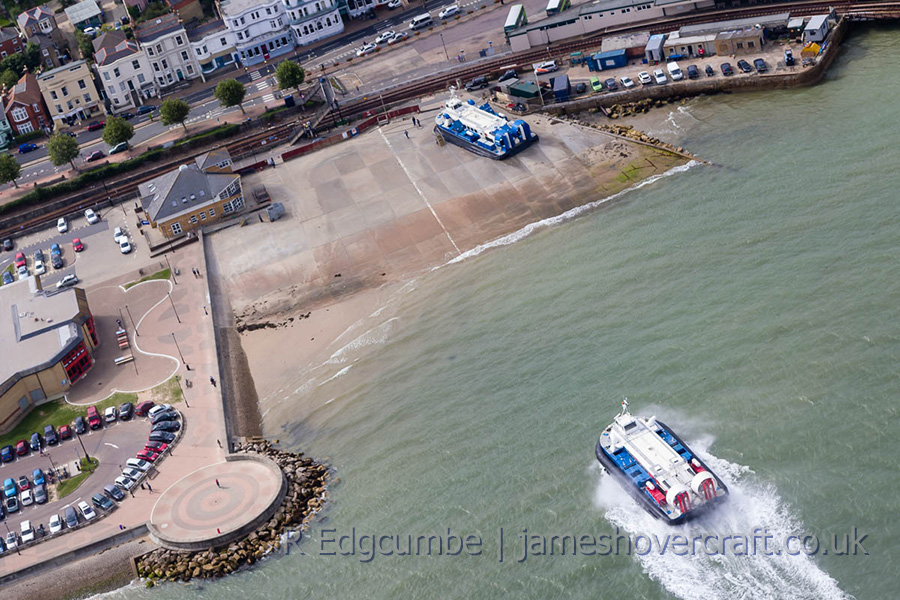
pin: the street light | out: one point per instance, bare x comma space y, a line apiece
171, 271
183, 395
83, 449
179, 349
52, 466
133, 326
445, 48
173, 307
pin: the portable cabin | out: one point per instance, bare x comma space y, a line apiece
561, 88
608, 60
653, 53
817, 29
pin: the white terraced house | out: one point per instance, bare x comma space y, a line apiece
123, 71
358, 8
168, 49
313, 20
260, 28
213, 45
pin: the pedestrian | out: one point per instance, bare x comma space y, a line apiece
143, 487
217, 484
406, 133
217, 530
219, 443
204, 311
212, 381
149, 488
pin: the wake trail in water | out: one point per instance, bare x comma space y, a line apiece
752, 505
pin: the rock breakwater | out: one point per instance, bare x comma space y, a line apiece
306, 494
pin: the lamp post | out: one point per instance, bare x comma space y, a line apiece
171, 271
183, 395
83, 449
178, 348
52, 466
445, 48
173, 307
133, 326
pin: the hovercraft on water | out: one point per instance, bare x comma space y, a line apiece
481, 130
658, 469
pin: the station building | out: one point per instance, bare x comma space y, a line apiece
48, 339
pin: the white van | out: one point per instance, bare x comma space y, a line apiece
421, 22
675, 71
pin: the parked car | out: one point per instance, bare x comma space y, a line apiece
93, 418
77, 246
71, 134
6, 453
449, 11
27, 531
548, 66
744, 66
132, 473
57, 261
95, 155
50, 435
71, 517
644, 78
86, 511
7, 277
479, 83
118, 234
627, 82
145, 109
398, 37
693, 72
12, 540
158, 409
126, 115
9, 487
157, 447
126, 483
788, 57
21, 448
126, 411
611, 84
124, 246
394, 4
760, 65
166, 426
580, 87
38, 477
166, 415
12, 504
19, 261
148, 456
23, 483
67, 281
90, 31
65, 432
120, 147
710, 71
22, 272
137, 463
366, 49
113, 492
110, 414
40, 494
91, 216
596, 86
162, 436
142, 408
509, 74
726, 69
660, 77
7, 245
39, 268
26, 498
384, 37
55, 523
35, 443
96, 125
102, 501
62, 225
26, 148
80, 425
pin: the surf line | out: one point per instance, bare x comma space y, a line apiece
419, 191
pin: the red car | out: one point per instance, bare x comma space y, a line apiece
77, 246
96, 125
65, 432
93, 418
142, 408
21, 447
20, 259
147, 455
156, 447
95, 155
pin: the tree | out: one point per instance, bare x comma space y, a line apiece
32, 56
117, 130
62, 149
230, 92
174, 110
85, 44
8, 78
289, 75
9, 169
14, 62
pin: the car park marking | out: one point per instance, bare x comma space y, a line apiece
113, 445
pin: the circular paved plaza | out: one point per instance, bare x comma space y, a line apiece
217, 504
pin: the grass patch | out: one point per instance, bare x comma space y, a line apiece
58, 413
67, 486
164, 274
168, 392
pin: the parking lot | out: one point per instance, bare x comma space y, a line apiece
112, 444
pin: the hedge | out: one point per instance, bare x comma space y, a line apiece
27, 137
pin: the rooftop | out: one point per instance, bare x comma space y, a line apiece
198, 32
26, 91
212, 158
149, 31
36, 327
8, 33
33, 15
231, 8
762, 21
182, 190
113, 46
83, 11
72, 66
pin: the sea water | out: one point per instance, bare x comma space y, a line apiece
753, 305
